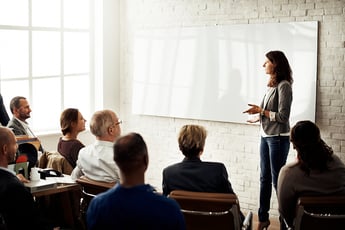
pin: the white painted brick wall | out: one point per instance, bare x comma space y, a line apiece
236, 145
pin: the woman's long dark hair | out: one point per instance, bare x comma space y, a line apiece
282, 68
313, 152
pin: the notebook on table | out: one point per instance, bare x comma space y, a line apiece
40, 185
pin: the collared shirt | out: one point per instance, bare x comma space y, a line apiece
6, 169
96, 162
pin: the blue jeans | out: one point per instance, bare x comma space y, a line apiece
273, 155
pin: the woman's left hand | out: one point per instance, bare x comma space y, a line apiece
254, 109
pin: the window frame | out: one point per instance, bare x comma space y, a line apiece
95, 10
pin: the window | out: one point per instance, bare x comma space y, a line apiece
47, 55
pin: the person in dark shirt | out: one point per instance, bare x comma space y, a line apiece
192, 174
72, 123
317, 171
132, 204
4, 118
17, 206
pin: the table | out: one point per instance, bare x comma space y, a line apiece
61, 187
66, 196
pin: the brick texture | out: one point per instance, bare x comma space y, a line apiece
236, 145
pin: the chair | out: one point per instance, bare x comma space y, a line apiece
217, 211
30, 151
321, 212
90, 188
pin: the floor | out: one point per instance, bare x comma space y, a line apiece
275, 225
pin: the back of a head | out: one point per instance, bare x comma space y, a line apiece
100, 122
7, 138
130, 152
312, 150
305, 133
67, 117
4, 136
191, 140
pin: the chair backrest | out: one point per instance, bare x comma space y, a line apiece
208, 210
30, 151
321, 212
90, 188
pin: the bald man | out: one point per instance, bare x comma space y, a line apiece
17, 204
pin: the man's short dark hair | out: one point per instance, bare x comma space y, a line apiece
129, 150
15, 103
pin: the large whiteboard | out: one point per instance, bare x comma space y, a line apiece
213, 72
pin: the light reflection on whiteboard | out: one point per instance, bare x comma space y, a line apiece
212, 73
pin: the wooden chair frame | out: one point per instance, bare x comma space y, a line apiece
90, 188
320, 212
202, 210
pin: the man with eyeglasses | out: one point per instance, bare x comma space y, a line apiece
95, 161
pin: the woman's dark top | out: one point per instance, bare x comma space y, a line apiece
70, 150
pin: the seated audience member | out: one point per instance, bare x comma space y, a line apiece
17, 205
95, 161
21, 110
317, 170
72, 123
4, 118
192, 174
132, 204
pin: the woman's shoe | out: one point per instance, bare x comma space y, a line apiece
263, 225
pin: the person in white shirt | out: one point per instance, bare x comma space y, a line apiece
95, 161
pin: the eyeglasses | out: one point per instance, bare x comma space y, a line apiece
119, 121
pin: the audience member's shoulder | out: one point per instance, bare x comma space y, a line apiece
12, 183
86, 148
337, 159
6, 174
102, 198
166, 201
213, 164
337, 162
291, 168
171, 167
292, 164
